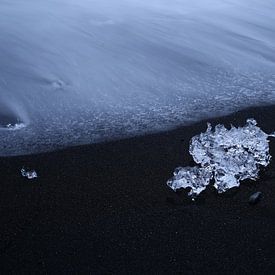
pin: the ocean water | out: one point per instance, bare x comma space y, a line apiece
79, 72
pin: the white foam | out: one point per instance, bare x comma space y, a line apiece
16, 126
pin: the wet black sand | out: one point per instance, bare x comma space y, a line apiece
105, 208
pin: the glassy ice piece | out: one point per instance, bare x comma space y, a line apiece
28, 174
229, 155
194, 177
233, 154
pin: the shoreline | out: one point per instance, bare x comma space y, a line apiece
18, 143
105, 208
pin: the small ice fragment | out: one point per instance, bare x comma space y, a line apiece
255, 198
228, 156
28, 174
193, 177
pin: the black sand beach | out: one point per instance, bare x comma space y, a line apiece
106, 209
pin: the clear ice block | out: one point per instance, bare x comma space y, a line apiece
229, 155
28, 174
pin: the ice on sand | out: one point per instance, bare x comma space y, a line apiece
227, 156
28, 174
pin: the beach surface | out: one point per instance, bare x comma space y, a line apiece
106, 209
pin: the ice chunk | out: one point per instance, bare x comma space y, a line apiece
232, 155
228, 155
28, 174
194, 177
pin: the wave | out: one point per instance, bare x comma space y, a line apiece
83, 72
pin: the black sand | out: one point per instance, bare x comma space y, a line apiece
105, 209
